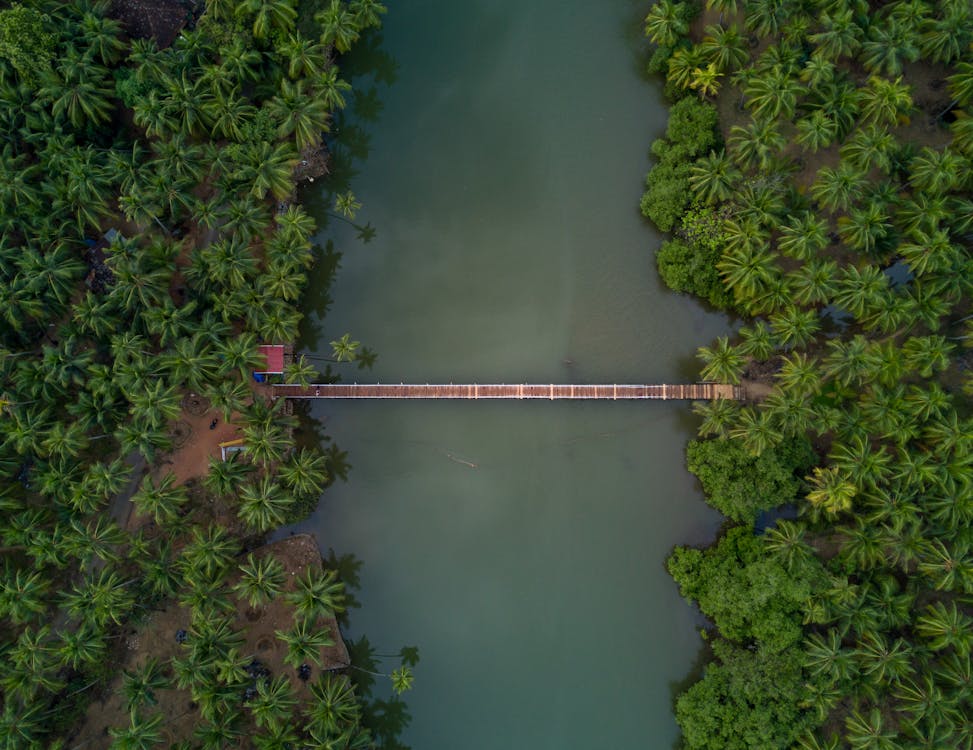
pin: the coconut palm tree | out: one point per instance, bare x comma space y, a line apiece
722, 363
24, 595
885, 102
264, 504
726, 48
772, 94
756, 429
889, 46
840, 36
162, 500
139, 684
717, 416
304, 643
794, 327
713, 178
785, 541
666, 23
816, 131
757, 144
870, 732
101, 598
273, 703
936, 171
210, 551
81, 647
319, 593
304, 473
269, 16
261, 580
141, 734
831, 490
339, 26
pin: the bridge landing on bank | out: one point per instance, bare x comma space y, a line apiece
688, 392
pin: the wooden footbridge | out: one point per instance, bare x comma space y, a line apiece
693, 392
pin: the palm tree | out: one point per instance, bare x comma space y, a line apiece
757, 341
785, 541
726, 48
756, 430
885, 102
334, 706
141, 734
816, 131
261, 580
304, 643
269, 16
225, 477
266, 442
713, 178
82, 647
263, 505
305, 57
722, 363
100, 598
161, 500
826, 657
840, 36
936, 171
748, 272
304, 473
889, 46
814, 282
155, 404
239, 354
339, 26
718, 416
757, 144
794, 327
319, 593
869, 733
948, 568
831, 491
869, 147
666, 23
836, 189
210, 551
139, 685
274, 701
772, 94
24, 595
271, 166
145, 439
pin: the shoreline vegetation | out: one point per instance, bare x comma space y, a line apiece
816, 178
150, 240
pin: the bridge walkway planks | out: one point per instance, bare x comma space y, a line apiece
476, 391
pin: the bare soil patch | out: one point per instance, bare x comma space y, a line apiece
156, 638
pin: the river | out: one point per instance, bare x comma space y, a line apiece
519, 545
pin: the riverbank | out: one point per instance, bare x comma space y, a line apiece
165, 253
827, 199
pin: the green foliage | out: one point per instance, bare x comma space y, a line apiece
691, 132
739, 484
747, 593
26, 42
688, 263
746, 700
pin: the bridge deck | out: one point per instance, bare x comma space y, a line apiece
693, 392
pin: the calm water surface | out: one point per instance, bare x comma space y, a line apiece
503, 171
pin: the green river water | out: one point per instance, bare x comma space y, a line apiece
503, 169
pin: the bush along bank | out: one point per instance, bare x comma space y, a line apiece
824, 193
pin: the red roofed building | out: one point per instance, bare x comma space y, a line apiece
273, 355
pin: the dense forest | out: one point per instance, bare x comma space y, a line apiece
816, 178
149, 241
